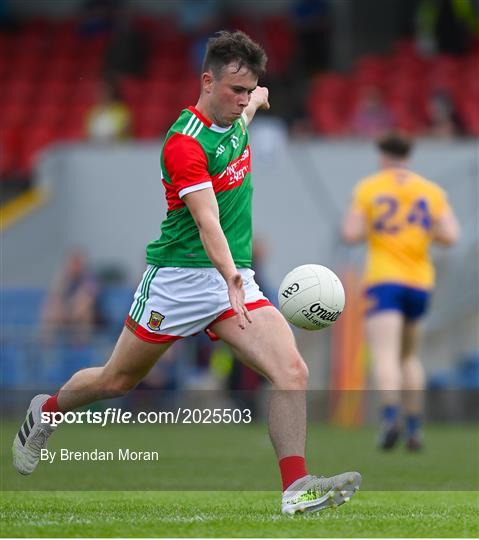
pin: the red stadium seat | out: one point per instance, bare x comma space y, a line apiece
327, 118
85, 92
70, 131
152, 120
54, 92
13, 115
17, 91
9, 150
77, 114
38, 139
60, 69
468, 111
280, 43
28, 67
47, 114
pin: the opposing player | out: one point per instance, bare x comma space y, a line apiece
199, 277
398, 213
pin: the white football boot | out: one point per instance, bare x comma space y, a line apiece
312, 493
31, 437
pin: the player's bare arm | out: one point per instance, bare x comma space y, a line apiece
259, 99
446, 229
204, 209
354, 227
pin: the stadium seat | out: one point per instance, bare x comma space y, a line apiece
9, 150
115, 301
152, 120
280, 43
13, 115
326, 119
54, 92
17, 90
77, 113
22, 305
468, 111
70, 131
39, 137
46, 114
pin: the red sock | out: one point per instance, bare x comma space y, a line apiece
292, 468
51, 404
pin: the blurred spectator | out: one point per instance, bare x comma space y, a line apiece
371, 118
445, 26
127, 51
442, 119
455, 26
97, 16
426, 17
312, 20
194, 15
198, 21
72, 304
110, 119
8, 22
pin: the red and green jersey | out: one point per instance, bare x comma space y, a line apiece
196, 155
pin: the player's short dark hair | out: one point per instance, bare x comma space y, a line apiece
227, 47
395, 145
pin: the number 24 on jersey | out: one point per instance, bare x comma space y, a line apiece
388, 221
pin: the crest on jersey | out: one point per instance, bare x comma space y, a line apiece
156, 318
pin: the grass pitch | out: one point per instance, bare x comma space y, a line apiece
224, 483
235, 514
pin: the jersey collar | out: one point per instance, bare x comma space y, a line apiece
208, 123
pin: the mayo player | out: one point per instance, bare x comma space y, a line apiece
199, 277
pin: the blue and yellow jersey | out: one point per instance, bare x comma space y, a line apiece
399, 207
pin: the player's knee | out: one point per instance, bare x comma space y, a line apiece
117, 385
294, 375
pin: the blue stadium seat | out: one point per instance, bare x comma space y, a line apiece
24, 363
464, 375
21, 306
115, 302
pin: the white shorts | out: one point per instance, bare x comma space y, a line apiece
172, 303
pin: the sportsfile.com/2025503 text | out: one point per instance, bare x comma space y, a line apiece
181, 415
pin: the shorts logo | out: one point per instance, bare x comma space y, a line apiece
155, 321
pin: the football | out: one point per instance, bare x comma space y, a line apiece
311, 296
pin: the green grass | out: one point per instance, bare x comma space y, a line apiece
213, 458
431, 494
234, 514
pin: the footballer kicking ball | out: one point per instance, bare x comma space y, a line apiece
311, 297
